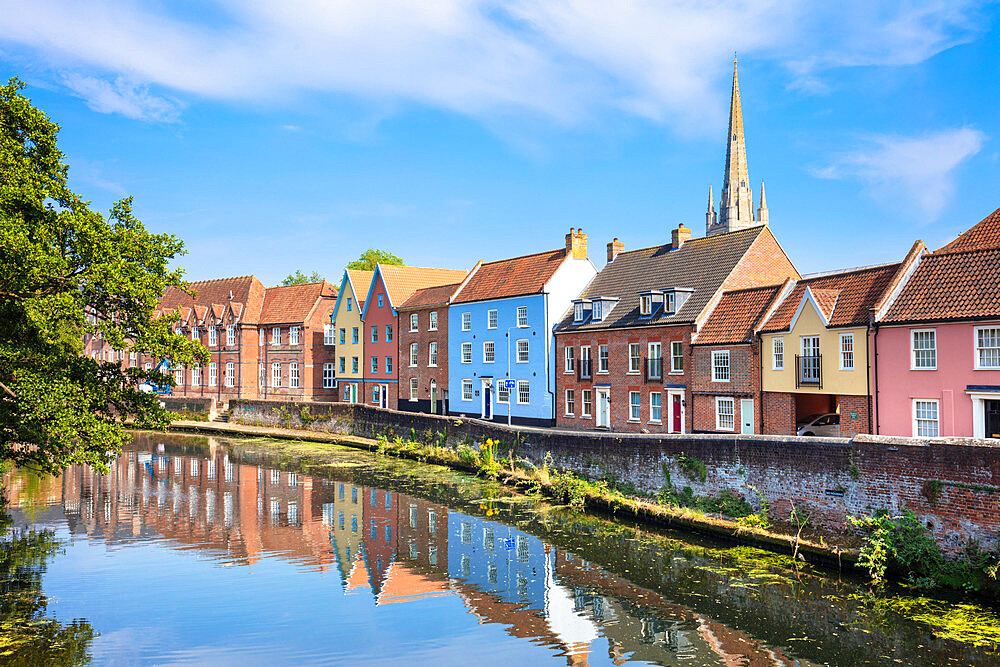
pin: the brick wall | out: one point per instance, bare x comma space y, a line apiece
851, 426
423, 372
744, 382
765, 263
779, 412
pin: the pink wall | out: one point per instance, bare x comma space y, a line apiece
380, 318
898, 385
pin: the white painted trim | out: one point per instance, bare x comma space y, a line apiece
807, 295
718, 426
975, 347
782, 366
904, 279
729, 365
913, 355
913, 416
840, 352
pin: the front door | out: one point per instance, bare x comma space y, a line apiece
434, 397
487, 399
604, 408
746, 414
992, 418
676, 417
384, 398
354, 393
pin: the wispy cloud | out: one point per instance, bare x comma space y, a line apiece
915, 173
123, 97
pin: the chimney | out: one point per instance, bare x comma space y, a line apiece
576, 244
614, 248
680, 236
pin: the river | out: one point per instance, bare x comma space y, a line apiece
199, 550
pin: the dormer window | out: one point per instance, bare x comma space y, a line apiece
578, 312
646, 305
601, 307
668, 302
597, 311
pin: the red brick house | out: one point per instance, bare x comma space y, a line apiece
423, 350
624, 349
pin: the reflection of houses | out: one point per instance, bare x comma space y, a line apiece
343, 517
380, 534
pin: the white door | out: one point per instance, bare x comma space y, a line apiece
746, 414
604, 408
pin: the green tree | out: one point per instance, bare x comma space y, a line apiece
369, 258
66, 272
299, 278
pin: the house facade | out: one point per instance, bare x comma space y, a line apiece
423, 350
937, 346
500, 327
348, 327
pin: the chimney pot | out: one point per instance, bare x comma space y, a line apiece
679, 236
576, 244
614, 248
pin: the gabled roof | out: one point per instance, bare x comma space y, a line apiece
986, 234
294, 303
212, 297
702, 264
738, 313
430, 296
951, 285
353, 283
845, 298
402, 281
516, 276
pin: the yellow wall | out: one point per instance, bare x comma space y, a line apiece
347, 320
835, 381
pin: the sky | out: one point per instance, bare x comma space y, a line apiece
274, 136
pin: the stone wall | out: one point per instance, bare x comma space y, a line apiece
193, 407
951, 484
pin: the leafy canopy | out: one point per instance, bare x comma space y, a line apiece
299, 278
369, 258
60, 262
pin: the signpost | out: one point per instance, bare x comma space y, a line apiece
509, 386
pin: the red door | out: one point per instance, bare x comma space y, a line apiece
675, 412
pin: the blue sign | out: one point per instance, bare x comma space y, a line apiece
508, 384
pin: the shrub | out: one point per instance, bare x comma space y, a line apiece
693, 468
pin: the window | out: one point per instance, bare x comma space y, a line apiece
597, 311
293, 336
230, 374
349, 301
380, 300
432, 356
231, 334
354, 365
343, 336
328, 375
523, 393
725, 417
925, 418
293, 375
147, 366
924, 349
491, 318
633, 406
196, 375
570, 402
328, 334
179, 376
194, 333
578, 312
374, 334
343, 364
354, 336
213, 336
778, 354
489, 350
655, 407
847, 352
414, 324
603, 359
374, 365
570, 364
388, 333
676, 357
133, 359
634, 360
522, 351
466, 321
646, 305
413, 354
522, 316
466, 353
720, 366
413, 389
432, 321
466, 390
388, 365
503, 394
987, 348
669, 299
586, 398
275, 335
275, 374
655, 361
213, 374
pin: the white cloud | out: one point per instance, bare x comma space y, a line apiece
121, 96
913, 173
561, 61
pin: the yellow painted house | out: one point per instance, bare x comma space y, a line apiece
815, 351
349, 332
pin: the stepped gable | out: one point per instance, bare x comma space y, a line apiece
402, 281
287, 304
430, 296
986, 234
702, 264
951, 285
516, 276
212, 297
846, 297
735, 318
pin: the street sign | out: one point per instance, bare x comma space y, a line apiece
509, 384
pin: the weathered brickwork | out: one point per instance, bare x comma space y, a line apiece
854, 415
744, 383
424, 373
779, 412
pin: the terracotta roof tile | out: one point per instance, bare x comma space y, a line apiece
735, 317
430, 296
293, 303
951, 285
848, 294
986, 234
245, 289
515, 276
402, 281
361, 281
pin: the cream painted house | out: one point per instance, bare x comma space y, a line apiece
349, 331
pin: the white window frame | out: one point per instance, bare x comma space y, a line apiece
230, 377
913, 350
936, 421
603, 359
276, 374
293, 335
522, 317
658, 356
634, 406
526, 350
213, 374
503, 394
777, 353
720, 425
432, 321
597, 311
646, 305
578, 312
329, 334
569, 403
659, 395
977, 351
194, 333
489, 352
720, 354
414, 322
293, 375
432, 354
492, 318
569, 360
467, 390
634, 355
275, 335
414, 352
328, 375
676, 369
846, 363
586, 399
527, 390
231, 334
179, 377
466, 353
213, 336
467, 321
414, 390
196, 375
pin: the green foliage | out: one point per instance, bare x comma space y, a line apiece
489, 465
569, 487
854, 472
299, 278
931, 490
306, 416
693, 468
59, 262
371, 258
758, 519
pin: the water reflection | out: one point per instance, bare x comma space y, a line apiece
392, 547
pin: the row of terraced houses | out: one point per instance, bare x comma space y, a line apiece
718, 333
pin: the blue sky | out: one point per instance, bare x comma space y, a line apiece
280, 136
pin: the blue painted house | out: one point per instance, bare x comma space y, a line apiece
500, 327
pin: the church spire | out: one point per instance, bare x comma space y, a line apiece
736, 204
710, 214
762, 206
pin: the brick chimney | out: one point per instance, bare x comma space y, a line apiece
576, 244
614, 248
680, 236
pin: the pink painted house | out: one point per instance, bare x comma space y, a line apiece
937, 343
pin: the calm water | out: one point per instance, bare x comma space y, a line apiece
202, 550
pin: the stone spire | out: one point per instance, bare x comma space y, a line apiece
736, 204
762, 207
710, 214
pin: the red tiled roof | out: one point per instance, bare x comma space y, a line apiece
215, 295
848, 294
430, 296
951, 285
986, 234
293, 303
735, 317
402, 281
361, 281
512, 277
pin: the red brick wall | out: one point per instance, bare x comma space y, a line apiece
779, 413
765, 263
423, 372
851, 427
744, 382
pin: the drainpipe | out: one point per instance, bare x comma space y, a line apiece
873, 398
760, 379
